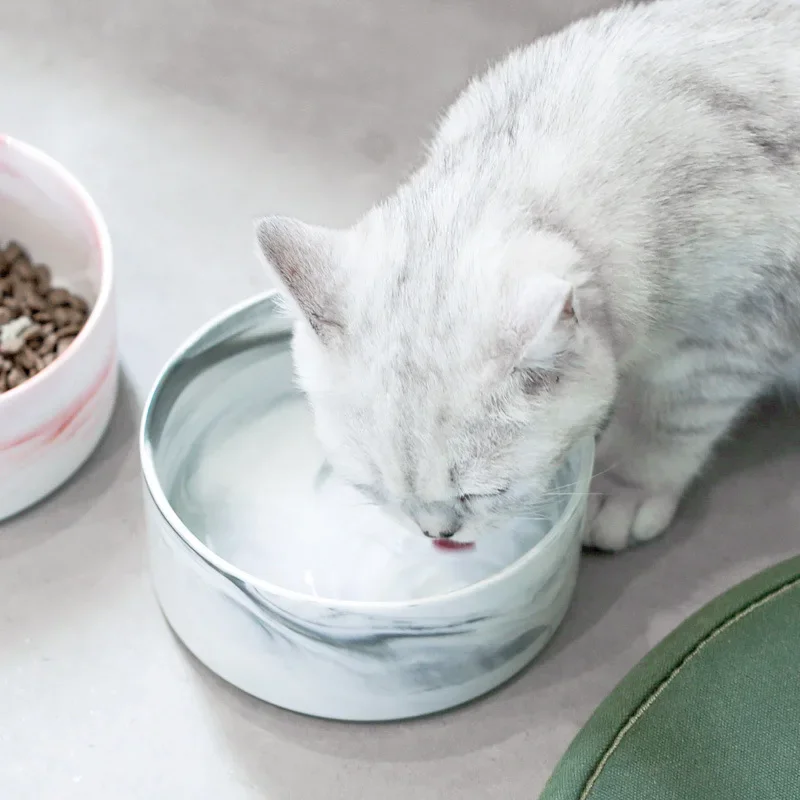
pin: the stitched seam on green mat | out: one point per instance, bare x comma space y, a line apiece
646, 705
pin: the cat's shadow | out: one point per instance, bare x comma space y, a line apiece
711, 543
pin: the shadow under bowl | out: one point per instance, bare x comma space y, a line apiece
339, 659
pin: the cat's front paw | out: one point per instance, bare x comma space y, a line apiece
620, 515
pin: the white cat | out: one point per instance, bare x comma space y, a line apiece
607, 223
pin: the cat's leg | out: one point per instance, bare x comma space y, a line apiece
660, 436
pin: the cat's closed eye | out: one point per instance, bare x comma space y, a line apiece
534, 380
466, 499
371, 492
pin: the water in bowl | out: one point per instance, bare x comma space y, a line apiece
251, 481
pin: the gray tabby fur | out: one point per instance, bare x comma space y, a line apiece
607, 223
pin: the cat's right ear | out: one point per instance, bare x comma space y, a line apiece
303, 260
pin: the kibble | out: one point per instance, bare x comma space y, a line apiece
49, 343
63, 344
12, 346
58, 297
38, 321
24, 270
43, 278
15, 377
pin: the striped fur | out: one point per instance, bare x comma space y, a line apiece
607, 226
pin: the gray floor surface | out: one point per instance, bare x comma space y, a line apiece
186, 119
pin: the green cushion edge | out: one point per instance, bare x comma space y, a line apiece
583, 756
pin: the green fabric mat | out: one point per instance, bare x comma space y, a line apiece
712, 713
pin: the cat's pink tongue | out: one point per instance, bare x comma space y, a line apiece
449, 544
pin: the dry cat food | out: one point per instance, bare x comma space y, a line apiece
38, 321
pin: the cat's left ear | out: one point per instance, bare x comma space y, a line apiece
546, 323
303, 260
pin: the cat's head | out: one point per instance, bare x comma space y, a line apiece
449, 370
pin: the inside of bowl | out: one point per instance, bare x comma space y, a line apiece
235, 452
42, 210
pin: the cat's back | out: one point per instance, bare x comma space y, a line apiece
654, 130
614, 76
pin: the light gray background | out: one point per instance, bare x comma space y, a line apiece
186, 119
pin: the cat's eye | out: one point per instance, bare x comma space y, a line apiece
466, 499
372, 492
534, 380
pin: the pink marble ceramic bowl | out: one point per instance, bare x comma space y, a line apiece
50, 424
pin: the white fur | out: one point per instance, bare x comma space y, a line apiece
607, 220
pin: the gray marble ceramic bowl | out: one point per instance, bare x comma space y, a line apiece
340, 659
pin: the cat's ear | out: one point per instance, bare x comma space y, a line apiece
546, 322
304, 262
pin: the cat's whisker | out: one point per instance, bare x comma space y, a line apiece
602, 472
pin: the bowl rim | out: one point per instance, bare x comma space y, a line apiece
220, 565
103, 237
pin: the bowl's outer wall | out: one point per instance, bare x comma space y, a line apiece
355, 665
348, 661
50, 426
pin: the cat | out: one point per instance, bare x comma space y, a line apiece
604, 239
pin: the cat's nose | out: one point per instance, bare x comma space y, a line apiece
437, 521
447, 533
